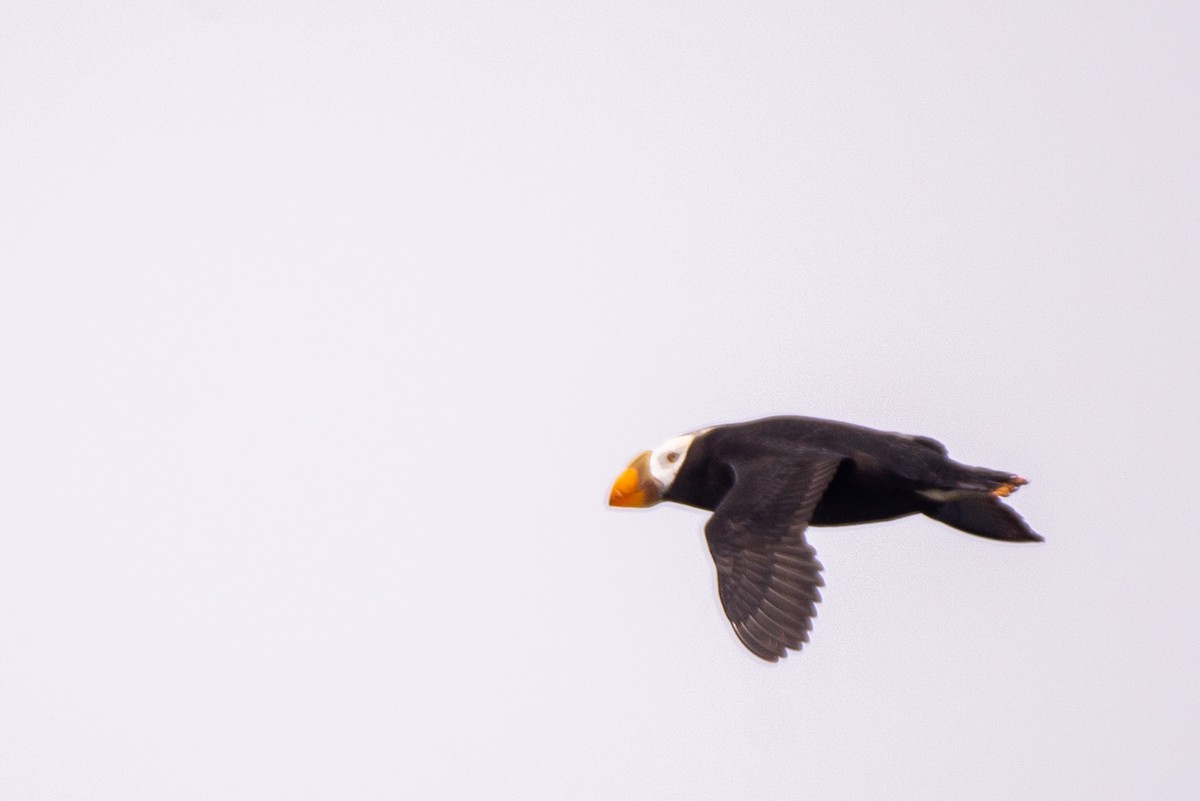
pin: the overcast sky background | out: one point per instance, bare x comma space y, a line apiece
326, 327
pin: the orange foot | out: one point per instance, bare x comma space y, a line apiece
1009, 487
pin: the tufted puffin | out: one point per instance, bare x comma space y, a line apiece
767, 480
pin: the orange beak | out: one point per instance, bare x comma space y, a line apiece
635, 486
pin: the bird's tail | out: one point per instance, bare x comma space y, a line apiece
982, 514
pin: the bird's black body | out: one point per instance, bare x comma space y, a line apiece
879, 475
767, 480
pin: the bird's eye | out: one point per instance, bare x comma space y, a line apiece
672, 457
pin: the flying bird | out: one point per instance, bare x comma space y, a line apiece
767, 480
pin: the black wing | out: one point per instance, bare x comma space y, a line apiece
767, 575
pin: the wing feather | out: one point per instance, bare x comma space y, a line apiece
767, 574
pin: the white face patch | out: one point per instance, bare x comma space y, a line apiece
666, 459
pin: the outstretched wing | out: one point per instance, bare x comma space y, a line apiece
767, 575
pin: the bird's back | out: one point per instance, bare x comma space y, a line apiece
881, 474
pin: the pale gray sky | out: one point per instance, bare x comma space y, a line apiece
326, 327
